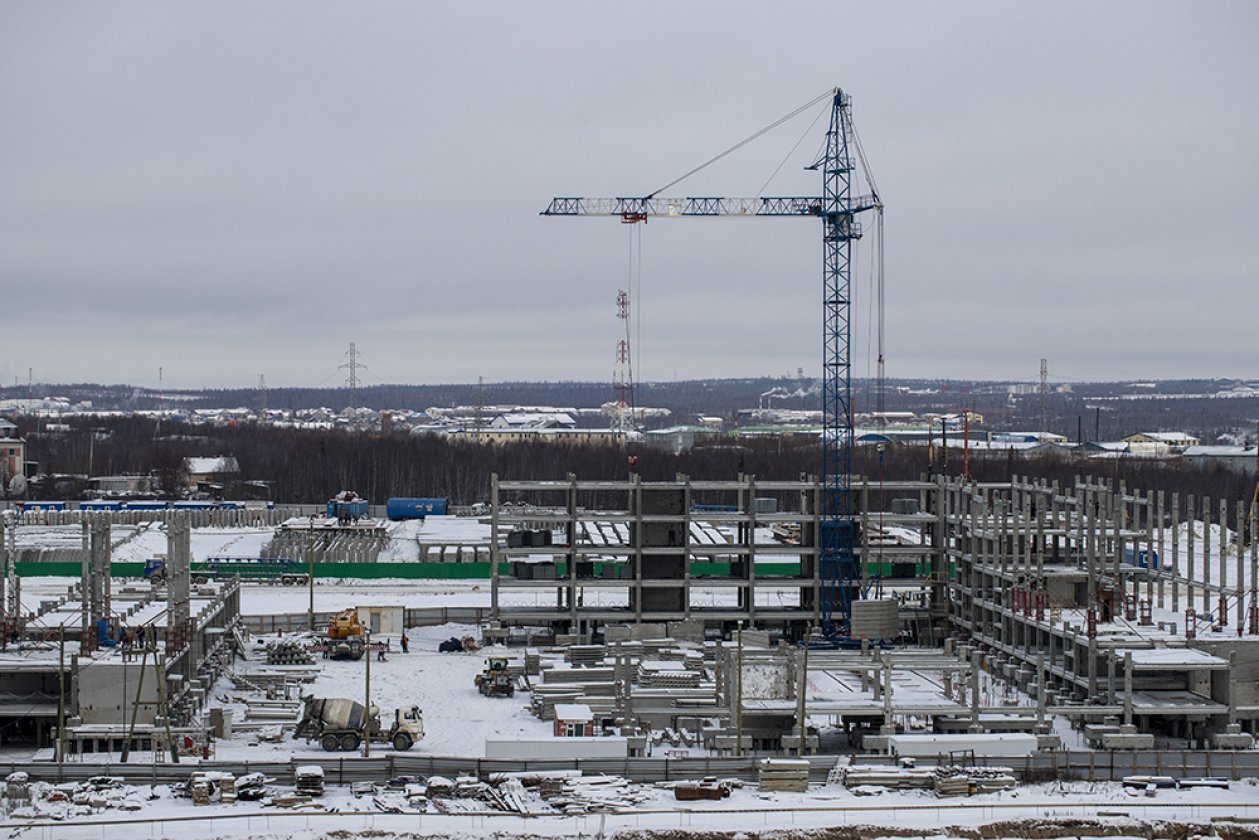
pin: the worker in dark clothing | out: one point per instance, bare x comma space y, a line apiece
405, 642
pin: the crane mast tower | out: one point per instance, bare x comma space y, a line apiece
838, 208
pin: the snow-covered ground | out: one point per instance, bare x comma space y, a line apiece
457, 719
1091, 809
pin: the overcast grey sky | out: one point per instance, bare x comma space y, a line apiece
228, 189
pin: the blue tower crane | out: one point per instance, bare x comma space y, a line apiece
838, 207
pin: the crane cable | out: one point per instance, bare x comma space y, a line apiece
787, 157
743, 142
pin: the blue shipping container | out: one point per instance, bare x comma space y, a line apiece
1143, 559
354, 510
399, 509
100, 504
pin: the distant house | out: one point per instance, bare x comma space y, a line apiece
12, 451
534, 420
676, 439
1239, 458
211, 470
1106, 449
574, 720
121, 485
1028, 437
1169, 441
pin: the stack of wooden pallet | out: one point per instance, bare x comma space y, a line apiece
788, 775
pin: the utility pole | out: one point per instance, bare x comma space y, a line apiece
310, 570
1044, 396
480, 405
367, 698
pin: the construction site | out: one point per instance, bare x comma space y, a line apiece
627, 641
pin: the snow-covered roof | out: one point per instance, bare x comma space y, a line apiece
1219, 451
533, 420
211, 466
573, 711
1165, 437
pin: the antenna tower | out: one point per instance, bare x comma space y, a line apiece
623, 376
1044, 396
262, 395
354, 366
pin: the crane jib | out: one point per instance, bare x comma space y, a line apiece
708, 206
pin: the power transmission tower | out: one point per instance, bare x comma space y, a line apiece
262, 396
623, 379
354, 366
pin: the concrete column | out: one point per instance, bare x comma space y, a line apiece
1127, 688
494, 546
1223, 521
178, 580
1110, 677
98, 589
1191, 519
887, 689
1162, 557
1040, 688
1175, 567
1206, 556
1239, 588
975, 660
1254, 556
6, 588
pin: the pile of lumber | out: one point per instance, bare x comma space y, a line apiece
989, 779
788, 775
952, 784
893, 778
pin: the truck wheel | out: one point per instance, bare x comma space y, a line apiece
199, 579
330, 742
349, 742
402, 742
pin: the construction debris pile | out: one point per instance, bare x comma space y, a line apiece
560, 792
24, 799
864, 779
